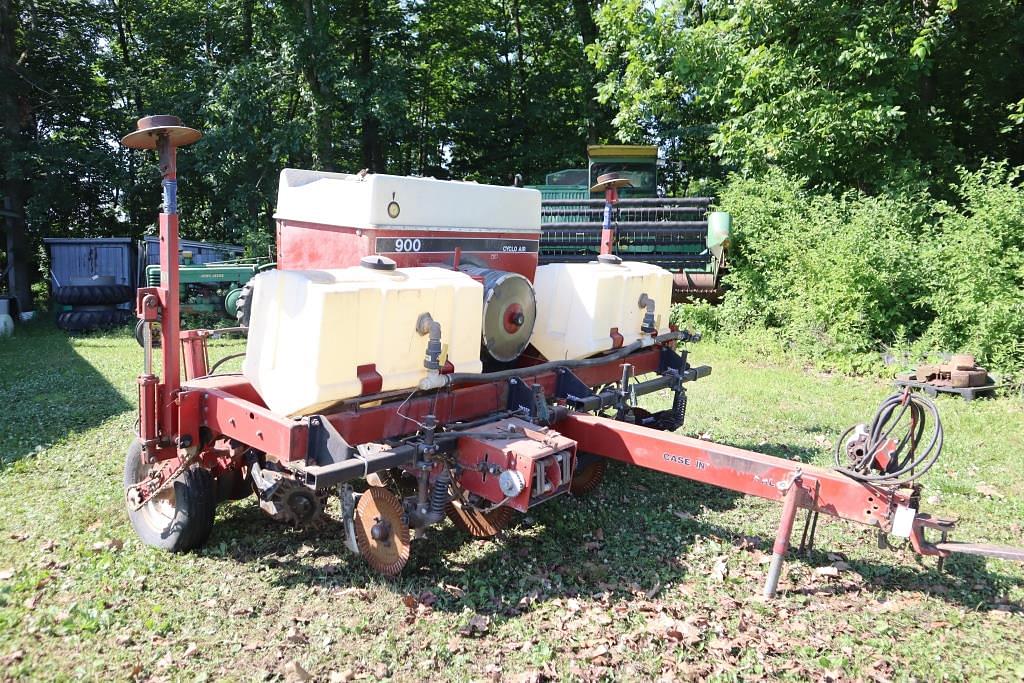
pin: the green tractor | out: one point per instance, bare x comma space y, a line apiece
210, 289
680, 234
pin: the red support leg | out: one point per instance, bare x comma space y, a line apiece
789, 508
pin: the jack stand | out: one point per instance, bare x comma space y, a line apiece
942, 558
791, 487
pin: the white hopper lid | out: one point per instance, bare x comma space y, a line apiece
348, 200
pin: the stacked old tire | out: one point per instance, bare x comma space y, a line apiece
94, 304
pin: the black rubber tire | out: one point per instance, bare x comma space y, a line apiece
156, 334
93, 295
194, 504
233, 485
89, 320
243, 306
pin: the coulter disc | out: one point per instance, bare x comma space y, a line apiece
477, 523
381, 531
589, 474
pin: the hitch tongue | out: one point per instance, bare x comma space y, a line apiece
1002, 552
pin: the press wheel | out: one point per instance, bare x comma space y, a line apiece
477, 523
589, 474
382, 533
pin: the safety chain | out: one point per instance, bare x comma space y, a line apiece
185, 464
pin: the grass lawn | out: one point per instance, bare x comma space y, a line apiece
650, 577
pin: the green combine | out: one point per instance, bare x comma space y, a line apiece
680, 234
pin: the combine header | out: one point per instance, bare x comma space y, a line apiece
411, 357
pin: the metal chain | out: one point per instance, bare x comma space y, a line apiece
185, 464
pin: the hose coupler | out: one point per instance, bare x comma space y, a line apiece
427, 325
648, 326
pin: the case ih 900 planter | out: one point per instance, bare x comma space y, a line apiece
410, 340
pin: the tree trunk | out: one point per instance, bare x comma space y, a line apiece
121, 22
322, 113
596, 121
13, 189
370, 135
247, 29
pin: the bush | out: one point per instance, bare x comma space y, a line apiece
839, 279
975, 266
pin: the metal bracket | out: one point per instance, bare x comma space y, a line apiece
326, 446
671, 360
571, 388
348, 509
522, 396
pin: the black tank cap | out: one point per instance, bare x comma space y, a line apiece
377, 262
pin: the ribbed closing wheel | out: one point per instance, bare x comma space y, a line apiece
589, 474
381, 531
179, 518
93, 295
89, 320
477, 523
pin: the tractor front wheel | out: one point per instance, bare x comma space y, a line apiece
180, 517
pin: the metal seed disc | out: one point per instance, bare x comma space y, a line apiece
510, 312
479, 524
387, 550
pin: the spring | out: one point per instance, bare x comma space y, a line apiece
672, 419
439, 496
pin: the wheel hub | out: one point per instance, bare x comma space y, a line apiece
380, 531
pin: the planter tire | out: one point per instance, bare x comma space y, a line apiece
93, 295
89, 320
233, 484
178, 519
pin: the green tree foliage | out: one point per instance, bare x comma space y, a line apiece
866, 95
483, 89
838, 278
848, 127
975, 267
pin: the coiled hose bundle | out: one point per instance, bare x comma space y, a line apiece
905, 414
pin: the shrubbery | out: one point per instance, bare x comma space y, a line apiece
840, 279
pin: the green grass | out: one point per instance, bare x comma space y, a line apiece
652, 576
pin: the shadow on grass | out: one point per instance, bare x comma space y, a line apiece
625, 541
623, 538
49, 389
965, 580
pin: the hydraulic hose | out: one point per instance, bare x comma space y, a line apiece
909, 413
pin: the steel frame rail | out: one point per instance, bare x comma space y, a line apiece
795, 484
